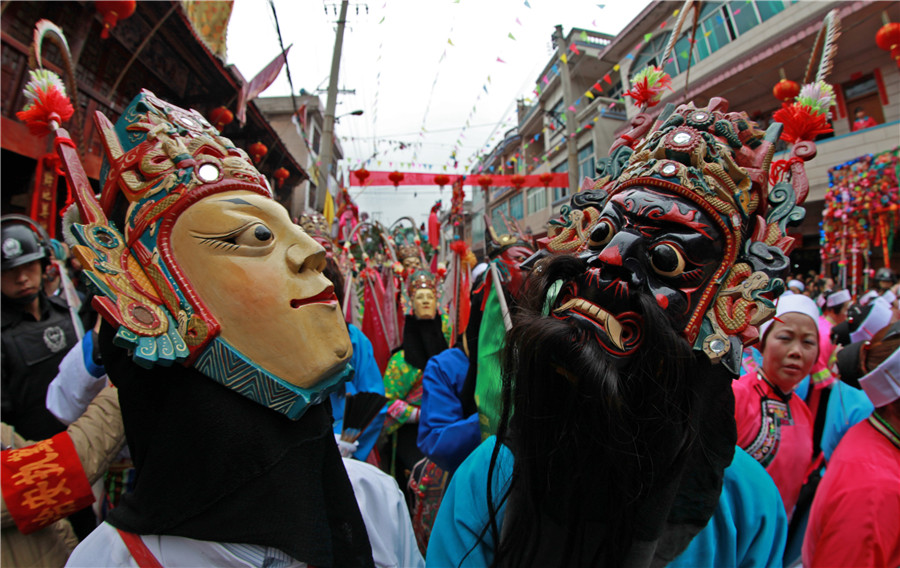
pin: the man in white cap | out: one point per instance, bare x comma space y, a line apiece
795, 286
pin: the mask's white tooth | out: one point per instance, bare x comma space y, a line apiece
614, 331
567, 305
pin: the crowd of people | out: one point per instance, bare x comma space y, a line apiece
180, 380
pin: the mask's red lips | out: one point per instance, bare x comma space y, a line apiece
326, 296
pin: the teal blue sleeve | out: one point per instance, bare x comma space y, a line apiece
749, 526
458, 537
367, 379
847, 406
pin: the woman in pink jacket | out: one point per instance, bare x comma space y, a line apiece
774, 426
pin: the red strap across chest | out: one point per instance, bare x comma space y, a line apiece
139, 550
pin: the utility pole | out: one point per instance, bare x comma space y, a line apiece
571, 145
327, 154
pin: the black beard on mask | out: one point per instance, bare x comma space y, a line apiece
600, 442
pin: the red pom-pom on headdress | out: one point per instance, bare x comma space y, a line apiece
648, 85
801, 123
48, 103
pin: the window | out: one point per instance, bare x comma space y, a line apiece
516, 210
560, 192
720, 25
478, 229
586, 162
769, 8
744, 15
497, 219
557, 116
317, 140
537, 199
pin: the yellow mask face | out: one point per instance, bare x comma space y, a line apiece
261, 277
424, 304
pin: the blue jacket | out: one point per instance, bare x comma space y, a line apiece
445, 435
367, 378
748, 528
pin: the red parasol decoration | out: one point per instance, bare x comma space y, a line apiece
395, 177
221, 117
280, 175
257, 150
113, 11
362, 175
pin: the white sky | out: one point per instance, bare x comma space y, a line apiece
408, 76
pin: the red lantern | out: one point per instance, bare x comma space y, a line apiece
220, 117
888, 36
785, 90
485, 182
442, 180
395, 177
362, 175
546, 178
113, 11
895, 53
280, 175
257, 151
518, 181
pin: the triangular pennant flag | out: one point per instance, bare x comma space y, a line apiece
449, 41
608, 79
574, 49
564, 58
648, 36
589, 95
512, 37
616, 67
527, 5
518, 21
584, 35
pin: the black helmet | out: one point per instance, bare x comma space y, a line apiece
884, 274
19, 245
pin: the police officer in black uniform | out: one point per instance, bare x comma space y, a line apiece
37, 332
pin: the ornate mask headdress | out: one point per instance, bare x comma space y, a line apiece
689, 211
161, 161
316, 226
418, 286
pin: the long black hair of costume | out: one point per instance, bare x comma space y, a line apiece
596, 440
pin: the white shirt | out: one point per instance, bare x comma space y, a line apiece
380, 501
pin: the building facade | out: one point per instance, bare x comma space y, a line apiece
157, 48
740, 51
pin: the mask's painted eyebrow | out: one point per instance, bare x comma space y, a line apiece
236, 201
